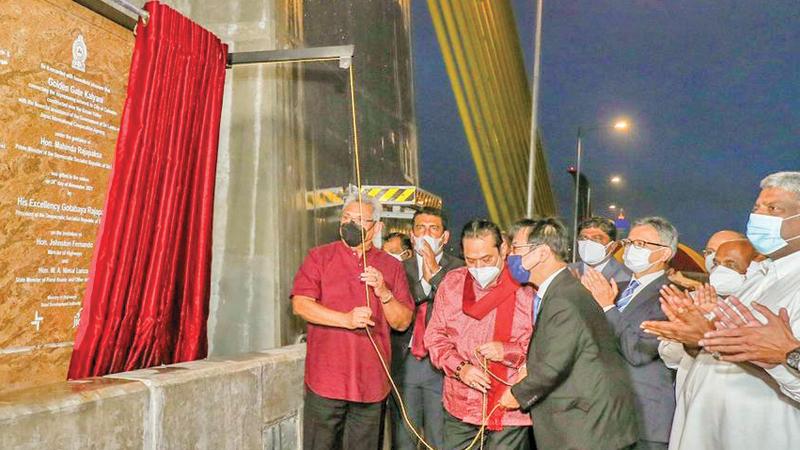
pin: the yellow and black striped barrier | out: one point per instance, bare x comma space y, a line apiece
324, 198
410, 196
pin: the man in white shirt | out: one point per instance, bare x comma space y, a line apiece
736, 406
743, 338
717, 239
731, 257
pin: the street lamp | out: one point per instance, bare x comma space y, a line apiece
612, 207
616, 179
619, 125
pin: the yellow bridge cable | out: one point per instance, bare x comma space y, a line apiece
484, 63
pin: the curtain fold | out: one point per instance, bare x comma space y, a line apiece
146, 301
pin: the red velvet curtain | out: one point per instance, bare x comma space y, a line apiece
146, 301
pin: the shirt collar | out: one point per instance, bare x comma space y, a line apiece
784, 266
600, 267
546, 283
647, 279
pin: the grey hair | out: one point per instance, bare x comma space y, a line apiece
666, 231
551, 232
787, 181
377, 207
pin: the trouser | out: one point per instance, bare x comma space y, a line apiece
330, 424
421, 388
650, 445
458, 435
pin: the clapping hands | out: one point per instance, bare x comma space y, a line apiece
688, 317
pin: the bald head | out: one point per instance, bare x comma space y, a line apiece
721, 237
736, 255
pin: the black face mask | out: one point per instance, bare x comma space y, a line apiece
351, 233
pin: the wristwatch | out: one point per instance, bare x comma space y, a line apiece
793, 359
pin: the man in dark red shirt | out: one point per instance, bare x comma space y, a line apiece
345, 382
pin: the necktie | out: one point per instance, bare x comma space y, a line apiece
627, 295
417, 344
537, 304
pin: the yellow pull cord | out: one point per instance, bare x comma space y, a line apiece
484, 399
486, 370
395, 390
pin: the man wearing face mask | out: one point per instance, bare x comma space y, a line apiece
481, 321
651, 244
420, 383
596, 246
753, 406
576, 387
730, 265
345, 383
398, 245
717, 239
518, 240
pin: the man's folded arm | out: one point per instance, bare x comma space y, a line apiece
554, 351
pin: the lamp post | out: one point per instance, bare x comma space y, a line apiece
620, 125
530, 206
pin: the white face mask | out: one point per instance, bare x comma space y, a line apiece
432, 241
753, 269
397, 256
484, 275
637, 259
726, 280
710, 261
764, 232
591, 252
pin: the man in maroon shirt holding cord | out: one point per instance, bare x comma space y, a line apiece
345, 383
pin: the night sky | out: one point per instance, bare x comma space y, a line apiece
712, 90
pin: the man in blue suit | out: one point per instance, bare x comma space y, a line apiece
650, 246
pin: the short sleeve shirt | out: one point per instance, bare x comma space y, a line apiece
341, 364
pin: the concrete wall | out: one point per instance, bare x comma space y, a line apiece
285, 131
251, 401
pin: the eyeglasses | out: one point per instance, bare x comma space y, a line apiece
359, 220
519, 249
640, 243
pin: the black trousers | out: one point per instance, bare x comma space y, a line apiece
338, 424
421, 387
650, 445
458, 435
